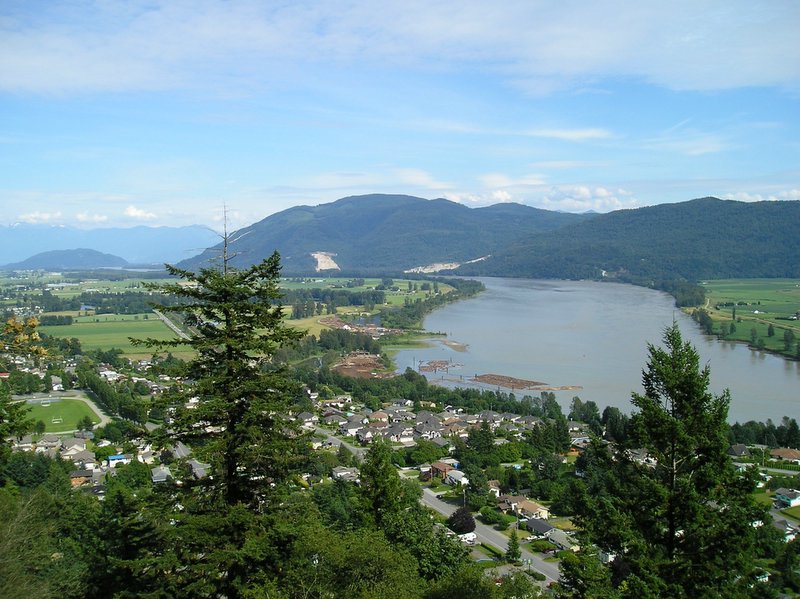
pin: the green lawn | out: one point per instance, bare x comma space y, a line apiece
68, 411
792, 512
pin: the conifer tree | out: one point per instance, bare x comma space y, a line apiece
513, 553
234, 320
679, 523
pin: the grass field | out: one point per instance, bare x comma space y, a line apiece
758, 303
112, 331
61, 414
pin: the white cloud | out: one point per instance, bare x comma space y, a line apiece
138, 214
85, 217
744, 196
147, 44
582, 198
40, 217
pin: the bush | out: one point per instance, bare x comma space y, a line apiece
541, 545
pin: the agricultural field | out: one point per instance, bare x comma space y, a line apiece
753, 307
61, 414
107, 331
394, 298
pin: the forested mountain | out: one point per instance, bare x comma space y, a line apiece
79, 258
699, 239
381, 233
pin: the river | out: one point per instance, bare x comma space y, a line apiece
594, 336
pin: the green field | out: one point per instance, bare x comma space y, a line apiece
61, 414
756, 304
108, 331
394, 298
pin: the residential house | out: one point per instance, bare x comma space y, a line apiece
117, 459
365, 435
563, 540
443, 443
199, 469
399, 433
26, 443
509, 503
71, 446
379, 416
350, 428
494, 487
48, 441
531, 509
441, 469
425, 430
307, 420
787, 497
739, 450
344, 473
85, 460
334, 419
785, 453
539, 528
455, 478
160, 474
788, 529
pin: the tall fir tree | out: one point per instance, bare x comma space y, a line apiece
680, 523
240, 423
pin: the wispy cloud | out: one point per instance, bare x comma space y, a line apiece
145, 45
569, 134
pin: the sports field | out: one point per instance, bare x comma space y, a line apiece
61, 414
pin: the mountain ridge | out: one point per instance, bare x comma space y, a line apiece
384, 232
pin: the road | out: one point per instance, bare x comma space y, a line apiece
490, 536
359, 452
171, 325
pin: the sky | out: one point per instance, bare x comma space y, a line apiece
143, 112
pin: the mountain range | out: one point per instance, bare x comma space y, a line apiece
693, 240
389, 234
136, 245
377, 233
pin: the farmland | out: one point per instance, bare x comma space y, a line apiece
763, 312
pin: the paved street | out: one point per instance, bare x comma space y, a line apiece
490, 536
359, 452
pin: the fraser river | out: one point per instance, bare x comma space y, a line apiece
592, 338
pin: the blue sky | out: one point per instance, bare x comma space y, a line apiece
120, 113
